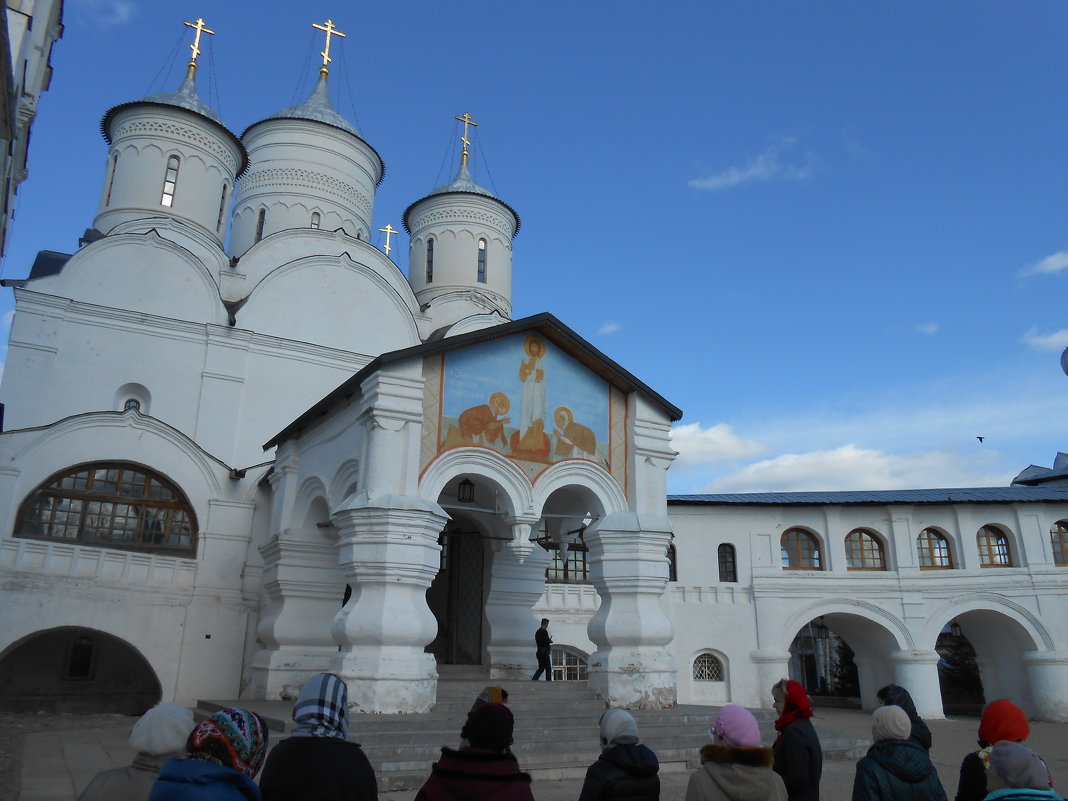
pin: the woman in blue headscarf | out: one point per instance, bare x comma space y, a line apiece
318, 763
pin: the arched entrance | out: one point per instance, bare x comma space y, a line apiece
79, 671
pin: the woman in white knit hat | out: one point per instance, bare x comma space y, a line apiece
896, 768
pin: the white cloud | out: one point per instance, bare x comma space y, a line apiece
609, 328
103, 13
766, 167
1053, 263
718, 443
926, 328
1058, 340
852, 468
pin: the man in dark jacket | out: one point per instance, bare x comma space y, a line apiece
626, 770
896, 768
543, 642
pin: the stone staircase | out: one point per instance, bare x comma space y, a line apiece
556, 731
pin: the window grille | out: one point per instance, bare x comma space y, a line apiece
572, 568
110, 505
567, 665
482, 261
430, 261
170, 181
993, 548
933, 550
864, 551
707, 667
1059, 540
800, 551
728, 563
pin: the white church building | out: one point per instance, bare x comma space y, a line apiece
241, 446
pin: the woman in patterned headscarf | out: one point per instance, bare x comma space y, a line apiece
225, 752
317, 763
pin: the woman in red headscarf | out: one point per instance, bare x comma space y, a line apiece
797, 752
1001, 720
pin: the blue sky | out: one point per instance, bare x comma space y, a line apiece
833, 233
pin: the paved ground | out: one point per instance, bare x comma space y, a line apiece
58, 763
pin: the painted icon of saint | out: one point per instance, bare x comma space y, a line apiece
532, 401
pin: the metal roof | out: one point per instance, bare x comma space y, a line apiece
461, 184
882, 497
546, 324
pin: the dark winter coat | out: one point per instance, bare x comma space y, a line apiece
1024, 795
897, 770
196, 780
317, 769
799, 760
473, 775
734, 773
623, 773
972, 783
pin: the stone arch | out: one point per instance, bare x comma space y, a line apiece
578, 473
486, 464
344, 483
1004, 635
76, 669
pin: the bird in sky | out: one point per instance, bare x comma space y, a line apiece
980, 439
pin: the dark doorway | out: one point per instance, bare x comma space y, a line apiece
456, 599
77, 670
958, 673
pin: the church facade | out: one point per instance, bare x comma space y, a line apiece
241, 446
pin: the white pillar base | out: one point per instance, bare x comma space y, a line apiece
1047, 674
917, 672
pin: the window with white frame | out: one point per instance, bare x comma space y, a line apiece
567, 665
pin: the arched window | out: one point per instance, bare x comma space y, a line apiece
1059, 540
672, 559
993, 548
728, 564
934, 550
111, 177
261, 218
864, 551
800, 551
170, 181
707, 667
567, 665
482, 261
222, 207
315, 219
110, 505
132, 403
430, 260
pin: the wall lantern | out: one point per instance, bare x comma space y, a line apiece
465, 491
955, 629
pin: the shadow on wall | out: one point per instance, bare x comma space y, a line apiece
76, 670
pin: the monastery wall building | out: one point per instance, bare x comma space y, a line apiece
241, 446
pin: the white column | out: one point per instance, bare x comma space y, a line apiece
389, 555
1047, 675
304, 590
917, 672
517, 581
632, 666
771, 667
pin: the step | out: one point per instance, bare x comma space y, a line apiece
556, 729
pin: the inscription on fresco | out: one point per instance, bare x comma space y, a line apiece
525, 399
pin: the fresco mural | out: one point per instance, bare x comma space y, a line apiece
526, 399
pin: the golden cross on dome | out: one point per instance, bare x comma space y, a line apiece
330, 31
389, 230
199, 27
466, 119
